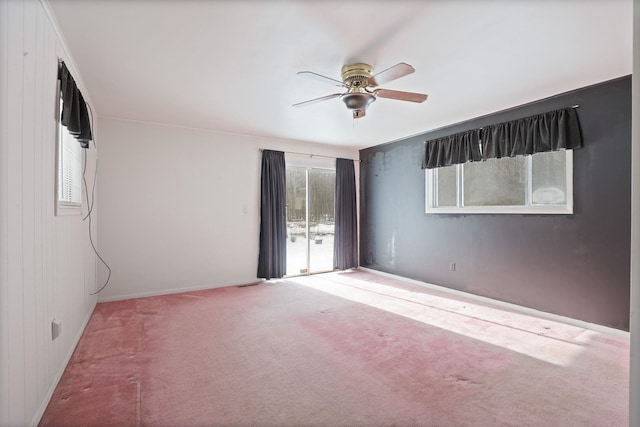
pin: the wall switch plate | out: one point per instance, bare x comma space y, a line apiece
452, 266
56, 329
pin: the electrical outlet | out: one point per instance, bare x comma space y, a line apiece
56, 329
452, 266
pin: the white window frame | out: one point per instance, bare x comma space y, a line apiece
527, 208
67, 205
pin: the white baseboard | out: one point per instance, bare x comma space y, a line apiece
176, 290
45, 401
507, 305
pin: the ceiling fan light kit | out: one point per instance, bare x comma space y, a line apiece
358, 102
357, 79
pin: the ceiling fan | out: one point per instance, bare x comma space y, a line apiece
361, 85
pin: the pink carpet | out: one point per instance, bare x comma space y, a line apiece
340, 349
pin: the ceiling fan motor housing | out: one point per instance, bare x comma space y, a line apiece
356, 76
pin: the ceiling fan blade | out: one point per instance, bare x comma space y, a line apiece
321, 78
313, 101
402, 96
399, 70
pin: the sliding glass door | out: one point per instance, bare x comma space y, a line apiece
310, 219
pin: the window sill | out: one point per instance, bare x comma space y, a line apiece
527, 210
68, 209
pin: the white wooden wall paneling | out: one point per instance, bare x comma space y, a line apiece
15, 72
47, 267
4, 288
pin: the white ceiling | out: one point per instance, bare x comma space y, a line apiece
231, 66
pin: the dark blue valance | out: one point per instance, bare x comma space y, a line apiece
453, 149
550, 131
74, 115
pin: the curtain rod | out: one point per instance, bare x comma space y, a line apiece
312, 155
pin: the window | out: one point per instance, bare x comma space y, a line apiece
538, 184
69, 172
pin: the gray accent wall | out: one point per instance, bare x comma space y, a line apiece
570, 265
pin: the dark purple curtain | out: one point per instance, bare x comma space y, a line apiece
345, 246
272, 259
74, 115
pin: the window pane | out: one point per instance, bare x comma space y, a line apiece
495, 182
446, 186
69, 168
549, 179
322, 185
296, 220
